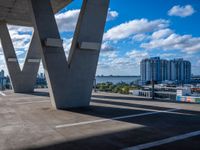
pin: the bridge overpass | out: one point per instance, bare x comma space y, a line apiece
69, 80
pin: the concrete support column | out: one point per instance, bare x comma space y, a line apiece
53, 55
70, 83
86, 45
23, 81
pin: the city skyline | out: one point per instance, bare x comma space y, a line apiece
168, 30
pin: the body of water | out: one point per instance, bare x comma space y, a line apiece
117, 79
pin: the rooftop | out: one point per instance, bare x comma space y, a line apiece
112, 121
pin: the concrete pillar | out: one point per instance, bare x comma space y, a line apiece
86, 45
23, 81
70, 82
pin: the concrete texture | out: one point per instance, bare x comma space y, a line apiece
23, 81
17, 11
70, 82
29, 122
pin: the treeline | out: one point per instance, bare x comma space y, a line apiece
122, 88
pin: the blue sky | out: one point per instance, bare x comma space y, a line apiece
135, 29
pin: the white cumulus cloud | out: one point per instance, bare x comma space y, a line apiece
161, 33
140, 37
67, 20
137, 26
112, 15
184, 43
181, 11
136, 56
125, 64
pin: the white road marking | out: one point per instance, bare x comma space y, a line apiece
31, 102
114, 118
145, 109
1, 93
26, 98
164, 141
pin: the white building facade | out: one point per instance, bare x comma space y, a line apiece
177, 70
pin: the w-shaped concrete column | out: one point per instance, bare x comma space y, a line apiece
70, 82
23, 81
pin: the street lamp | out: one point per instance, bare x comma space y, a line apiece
152, 79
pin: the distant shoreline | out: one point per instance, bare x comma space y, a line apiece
116, 76
117, 79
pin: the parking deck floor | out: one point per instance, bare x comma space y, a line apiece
112, 121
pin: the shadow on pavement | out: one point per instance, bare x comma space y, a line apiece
153, 127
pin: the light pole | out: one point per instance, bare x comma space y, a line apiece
152, 79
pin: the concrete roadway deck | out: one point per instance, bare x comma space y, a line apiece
111, 122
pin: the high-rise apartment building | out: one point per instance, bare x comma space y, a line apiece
159, 70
